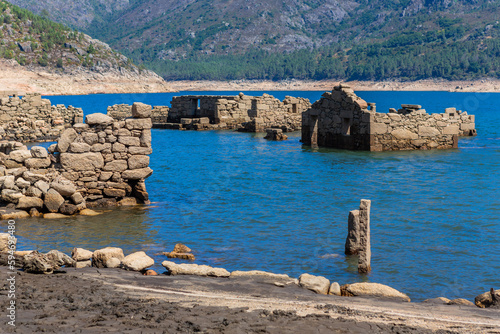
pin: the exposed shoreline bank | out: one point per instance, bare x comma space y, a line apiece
483, 86
103, 299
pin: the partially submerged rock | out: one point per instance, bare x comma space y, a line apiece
194, 269
318, 284
372, 290
180, 251
80, 254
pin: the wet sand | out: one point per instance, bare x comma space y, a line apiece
94, 300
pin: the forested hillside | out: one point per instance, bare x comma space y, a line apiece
315, 39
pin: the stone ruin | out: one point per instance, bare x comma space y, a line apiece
358, 236
341, 119
33, 119
101, 163
120, 112
241, 112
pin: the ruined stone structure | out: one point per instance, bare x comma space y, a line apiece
358, 236
119, 112
32, 118
341, 119
100, 163
246, 113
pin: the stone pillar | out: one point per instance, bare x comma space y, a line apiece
358, 236
314, 131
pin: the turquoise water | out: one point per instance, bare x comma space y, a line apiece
241, 202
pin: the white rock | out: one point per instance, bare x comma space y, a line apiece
194, 269
137, 261
80, 254
101, 256
318, 284
372, 290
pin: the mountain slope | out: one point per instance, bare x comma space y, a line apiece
40, 45
231, 39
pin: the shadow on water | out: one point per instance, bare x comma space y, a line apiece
124, 227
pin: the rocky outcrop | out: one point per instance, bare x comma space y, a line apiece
180, 252
38, 263
488, 299
372, 290
33, 119
275, 134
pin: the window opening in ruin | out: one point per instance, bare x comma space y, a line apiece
294, 108
195, 105
346, 126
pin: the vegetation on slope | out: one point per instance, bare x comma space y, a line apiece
314, 39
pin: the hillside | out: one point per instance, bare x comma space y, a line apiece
52, 51
314, 39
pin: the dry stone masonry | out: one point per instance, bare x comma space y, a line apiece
33, 119
159, 114
100, 163
358, 236
242, 112
341, 119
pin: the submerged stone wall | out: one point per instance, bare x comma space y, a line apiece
159, 114
101, 163
341, 119
242, 112
32, 118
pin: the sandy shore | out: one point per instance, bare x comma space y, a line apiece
485, 85
94, 300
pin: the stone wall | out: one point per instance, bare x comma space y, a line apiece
101, 163
246, 113
33, 119
341, 119
159, 114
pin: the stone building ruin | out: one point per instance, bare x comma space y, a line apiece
341, 119
33, 119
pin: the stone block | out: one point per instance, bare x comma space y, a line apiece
98, 119
137, 174
37, 163
451, 130
82, 161
428, 131
138, 123
79, 147
112, 192
404, 134
53, 201
378, 128
129, 141
67, 137
141, 110
467, 126
138, 161
136, 150
116, 166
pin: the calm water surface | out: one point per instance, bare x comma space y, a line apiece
241, 202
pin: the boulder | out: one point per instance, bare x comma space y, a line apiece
113, 263
128, 201
53, 200
372, 290
88, 212
239, 273
141, 110
485, 300
116, 166
22, 183
4, 241
34, 177
181, 248
26, 203
39, 152
77, 198
101, 256
461, 301
182, 256
16, 214
38, 263
54, 216
318, 284
80, 254
33, 192
63, 186
334, 289
11, 196
138, 124
80, 162
194, 269
43, 186
68, 209
35, 213
9, 182
83, 264
137, 261
66, 138
150, 273
98, 119
112, 192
